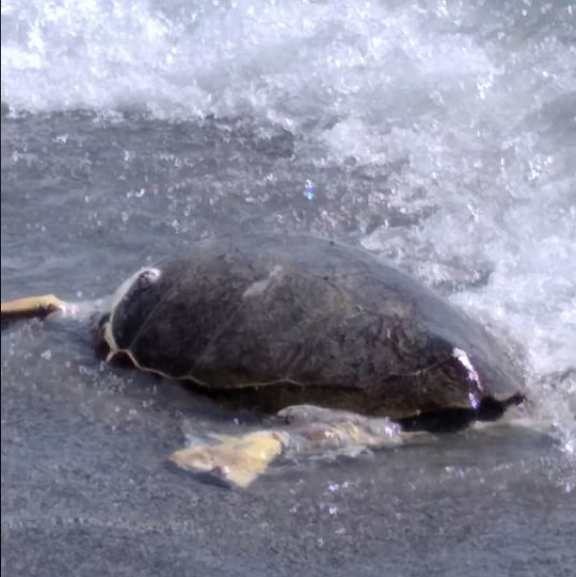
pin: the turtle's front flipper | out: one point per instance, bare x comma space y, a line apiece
321, 431
236, 460
28, 307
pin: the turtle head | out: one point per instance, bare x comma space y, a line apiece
123, 313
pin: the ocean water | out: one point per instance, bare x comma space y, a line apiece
441, 135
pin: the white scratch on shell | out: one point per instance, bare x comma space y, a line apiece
260, 286
464, 360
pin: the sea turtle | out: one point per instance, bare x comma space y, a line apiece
300, 325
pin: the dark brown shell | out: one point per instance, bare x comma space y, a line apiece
278, 320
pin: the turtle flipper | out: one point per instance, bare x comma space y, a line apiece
37, 306
237, 460
323, 431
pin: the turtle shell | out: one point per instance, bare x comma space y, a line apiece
273, 320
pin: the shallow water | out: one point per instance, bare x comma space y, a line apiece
441, 136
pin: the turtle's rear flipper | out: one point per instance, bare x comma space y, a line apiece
29, 307
236, 460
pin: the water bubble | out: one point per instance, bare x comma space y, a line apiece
474, 403
309, 191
